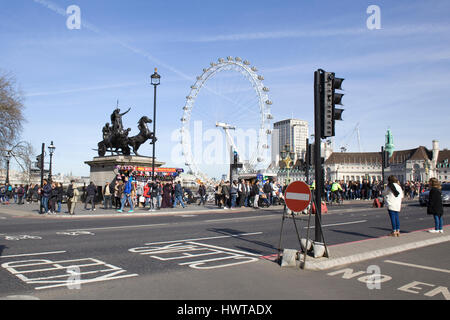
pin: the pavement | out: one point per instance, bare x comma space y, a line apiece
352, 252
338, 255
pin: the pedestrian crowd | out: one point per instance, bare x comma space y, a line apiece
155, 195
246, 193
366, 190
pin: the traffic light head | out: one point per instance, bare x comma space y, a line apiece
329, 99
39, 161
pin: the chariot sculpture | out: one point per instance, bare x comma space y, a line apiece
116, 139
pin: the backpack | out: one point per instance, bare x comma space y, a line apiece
70, 193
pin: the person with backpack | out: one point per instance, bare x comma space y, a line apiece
178, 195
91, 193
393, 195
70, 198
435, 206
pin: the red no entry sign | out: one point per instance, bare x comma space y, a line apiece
297, 196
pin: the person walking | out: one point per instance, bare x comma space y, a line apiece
393, 195
147, 194
233, 194
153, 189
72, 197
202, 194
91, 193
45, 196
60, 192
53, 198
226, 194
435, 206
20, 194
107, 196
255, 192
127, 195
178, 195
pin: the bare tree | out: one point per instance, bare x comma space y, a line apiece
11, 111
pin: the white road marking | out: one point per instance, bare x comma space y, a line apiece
32, 254
243, 218
209, 238
338, 224
122, 227
52, 274
221, 248
417, 266
219, 257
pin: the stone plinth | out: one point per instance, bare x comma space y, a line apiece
103, 169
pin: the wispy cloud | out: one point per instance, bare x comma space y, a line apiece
391, 31
85, 89
371, 61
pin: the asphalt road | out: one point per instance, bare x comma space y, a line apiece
201, 256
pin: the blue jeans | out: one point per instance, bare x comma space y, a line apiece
130, 201
178, 199
45, 204
233, 200
59, 206
438, 222
394, 220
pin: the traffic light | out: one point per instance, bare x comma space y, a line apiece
235, 157
39, 161
309, 157
329, 99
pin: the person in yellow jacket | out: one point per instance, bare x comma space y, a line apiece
335, 191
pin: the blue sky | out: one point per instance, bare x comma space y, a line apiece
396, 77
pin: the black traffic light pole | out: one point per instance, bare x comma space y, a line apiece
307, 160
317, 157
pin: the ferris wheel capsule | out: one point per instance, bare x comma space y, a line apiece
254, 69
221, 60
238, 59
230, 58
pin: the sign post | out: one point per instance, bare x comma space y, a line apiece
297, 198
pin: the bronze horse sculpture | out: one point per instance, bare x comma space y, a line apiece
144, 135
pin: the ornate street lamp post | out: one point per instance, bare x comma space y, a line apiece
8, 157
51, 150
155, 80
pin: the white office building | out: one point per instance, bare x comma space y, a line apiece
290, 131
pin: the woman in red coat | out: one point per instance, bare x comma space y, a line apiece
147, 195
